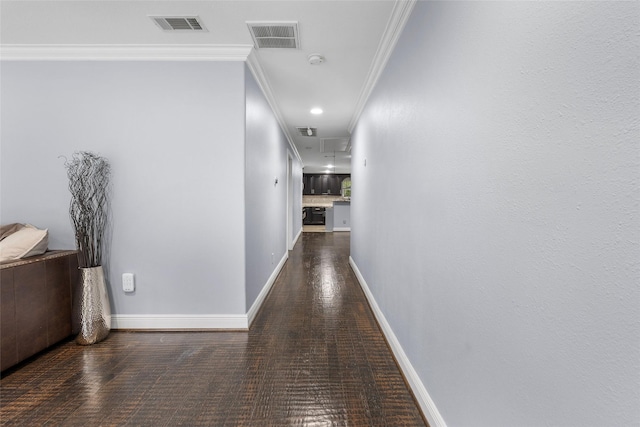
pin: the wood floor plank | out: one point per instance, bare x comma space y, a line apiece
314, 356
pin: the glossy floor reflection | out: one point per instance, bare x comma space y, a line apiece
313, 357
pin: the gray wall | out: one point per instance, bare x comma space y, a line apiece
174, 133
296, 205
496, 219
265, 201
342, 215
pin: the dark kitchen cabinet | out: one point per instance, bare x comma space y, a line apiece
324, 184
317, 184
306, 184
308, 181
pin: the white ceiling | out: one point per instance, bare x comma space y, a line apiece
347, 33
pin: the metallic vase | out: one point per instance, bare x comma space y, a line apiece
92, 312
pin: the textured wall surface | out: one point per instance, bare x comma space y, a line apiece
496, 220
168, 129
265, 201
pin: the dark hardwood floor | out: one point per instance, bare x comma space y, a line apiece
313, 357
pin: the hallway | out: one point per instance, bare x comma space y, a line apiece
313, 357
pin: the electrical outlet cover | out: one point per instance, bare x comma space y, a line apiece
128, 284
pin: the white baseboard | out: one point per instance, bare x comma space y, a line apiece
297, 237
198, 321
251, 314
179, 321
341, 228
420, 392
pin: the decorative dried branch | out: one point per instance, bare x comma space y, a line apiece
88, 183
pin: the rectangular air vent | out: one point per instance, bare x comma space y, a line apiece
179, 23
304, 131
330, 145
274, 35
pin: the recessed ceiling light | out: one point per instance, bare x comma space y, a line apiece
329, 166
316, 110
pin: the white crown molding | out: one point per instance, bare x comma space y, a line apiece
132, 52
263, 82
399, 16
129, 52
180, 321
419, 391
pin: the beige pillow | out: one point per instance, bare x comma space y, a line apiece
9, 229
26, 242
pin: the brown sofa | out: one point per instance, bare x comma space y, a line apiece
35, 303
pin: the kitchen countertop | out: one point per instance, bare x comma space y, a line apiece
317, 205
321, 201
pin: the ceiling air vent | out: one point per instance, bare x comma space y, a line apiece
274, 35
307, 131
179, 23
328, 145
